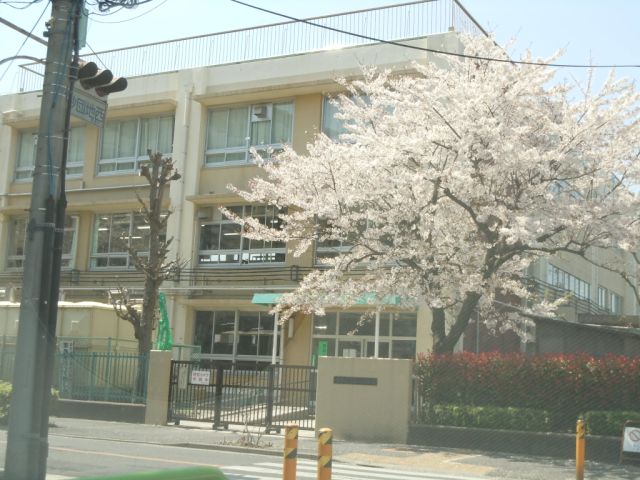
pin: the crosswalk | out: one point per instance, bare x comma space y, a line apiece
306, 469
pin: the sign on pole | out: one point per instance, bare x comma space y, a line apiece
88, 108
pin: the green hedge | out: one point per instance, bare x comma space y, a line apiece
503, 418
5, 398
566, 386
608, 423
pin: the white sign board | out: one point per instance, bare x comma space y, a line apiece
88, 108
631, 440
200, 377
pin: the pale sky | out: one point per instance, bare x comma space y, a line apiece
599, 32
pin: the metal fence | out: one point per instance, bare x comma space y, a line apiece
267, 396
108, 377
397, 22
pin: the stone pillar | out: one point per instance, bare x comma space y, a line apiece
158, 387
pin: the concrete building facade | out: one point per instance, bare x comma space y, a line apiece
207, 117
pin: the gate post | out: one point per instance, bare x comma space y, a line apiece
158, 380
217, 406
270, 389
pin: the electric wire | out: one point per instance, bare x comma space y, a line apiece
432, 50
129, 19
24, 4
25, 40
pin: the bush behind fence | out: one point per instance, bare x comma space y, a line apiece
564, 386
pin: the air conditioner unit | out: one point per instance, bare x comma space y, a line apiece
260, 113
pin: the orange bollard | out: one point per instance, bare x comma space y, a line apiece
290, 452
325, 441
580, 449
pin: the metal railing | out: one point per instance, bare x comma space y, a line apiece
105, 377
392, 23
551, 292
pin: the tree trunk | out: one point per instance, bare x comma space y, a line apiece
443, 341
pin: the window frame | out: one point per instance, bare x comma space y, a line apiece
241, 251
95, 256
274, 146
339, 338
139, 157
237, 334
24, 174
68, 259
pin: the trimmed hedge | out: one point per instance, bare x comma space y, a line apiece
608, 423
563, 385
503, 418
5, 399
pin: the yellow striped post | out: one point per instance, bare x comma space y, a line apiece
580, 449
290, 452
325, 441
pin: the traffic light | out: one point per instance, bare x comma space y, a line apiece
90, 76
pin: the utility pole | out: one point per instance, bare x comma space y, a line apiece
27, 444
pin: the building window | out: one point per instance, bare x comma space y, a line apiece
565, 281
125, 142
332, 127
27, 153
616, 304
18, 237
603, 298
75, 151
234, 334
233, 131
346, 334
113, 236
223, 242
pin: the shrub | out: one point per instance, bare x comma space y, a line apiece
563, 385
504, 418
5, 399
608, 423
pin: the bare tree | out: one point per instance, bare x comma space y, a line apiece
159, 172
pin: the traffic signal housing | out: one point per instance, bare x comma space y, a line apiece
102, 81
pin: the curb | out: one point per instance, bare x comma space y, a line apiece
199, 446
239, 449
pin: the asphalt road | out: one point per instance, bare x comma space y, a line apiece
71, 457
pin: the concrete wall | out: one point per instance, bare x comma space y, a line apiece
158, 387
378, 411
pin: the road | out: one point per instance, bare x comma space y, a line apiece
71, 457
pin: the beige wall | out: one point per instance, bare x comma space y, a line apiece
376, 413
80, 320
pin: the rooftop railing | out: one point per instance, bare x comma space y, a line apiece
393, 23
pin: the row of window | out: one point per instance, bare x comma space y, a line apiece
349, 334
221, 241
609, 301
231, 133
238, 334
566, 281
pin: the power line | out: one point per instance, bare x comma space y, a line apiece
132, 18
25, 40
432, 50
13, 3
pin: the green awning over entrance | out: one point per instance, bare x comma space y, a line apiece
370, 298
266, 298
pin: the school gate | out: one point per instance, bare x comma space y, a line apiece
269, 396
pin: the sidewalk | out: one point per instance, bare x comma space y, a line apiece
414, 458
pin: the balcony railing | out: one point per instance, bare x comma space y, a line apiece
393, 23
551, 292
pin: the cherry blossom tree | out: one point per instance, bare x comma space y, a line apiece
448, 182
